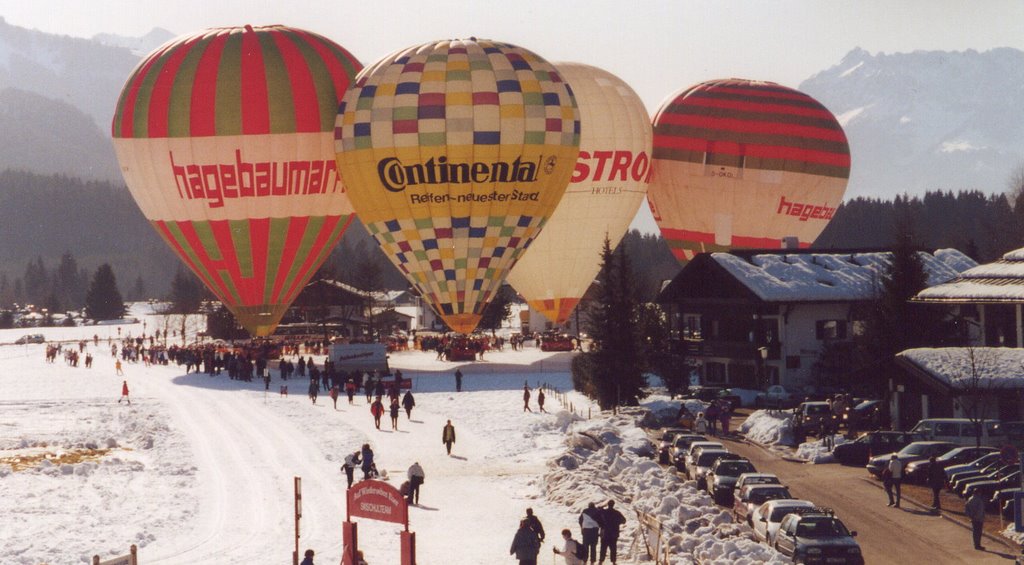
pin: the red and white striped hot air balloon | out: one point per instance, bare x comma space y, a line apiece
745, 164
225, 139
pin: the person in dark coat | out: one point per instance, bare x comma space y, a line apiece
458, 380
448, 436
314, 390
534, 523
611, 521
377, 409
367, 456
525, 545
936, 480
590, 524
393, 411
540, 400
408, 402
526, 398
308, 559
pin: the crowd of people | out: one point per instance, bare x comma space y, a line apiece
597, 526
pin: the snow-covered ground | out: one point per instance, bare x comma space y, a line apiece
200, 469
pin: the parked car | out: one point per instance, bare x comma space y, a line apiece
976, 465
989, 487
752, 496
710, 393
812, 413
917, 472
722, 477
776, 396
858, 451
688, 459
960, 485
1002, 500
913, 452
702, 463
817, 537
681, 448
868, 414
769, 515
30, 338
667, 438
960, 431
755, 479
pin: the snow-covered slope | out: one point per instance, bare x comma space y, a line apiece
199, 469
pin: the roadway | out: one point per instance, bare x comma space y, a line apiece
910, 534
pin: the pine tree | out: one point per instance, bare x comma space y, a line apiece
498, 309
612, 372
103, 299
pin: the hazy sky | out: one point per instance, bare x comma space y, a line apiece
657, 46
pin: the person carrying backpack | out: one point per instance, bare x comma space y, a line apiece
573, 551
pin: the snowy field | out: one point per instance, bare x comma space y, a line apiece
200, 469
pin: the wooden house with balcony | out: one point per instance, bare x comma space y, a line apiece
753, 318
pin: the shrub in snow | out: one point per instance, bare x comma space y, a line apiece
769, 428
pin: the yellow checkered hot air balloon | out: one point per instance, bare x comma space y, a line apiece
225, 139
606, 190
455, 153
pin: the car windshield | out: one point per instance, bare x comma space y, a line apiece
780, 512
952, 454
759, 496
814, 527
683, 441
709, 457
734, 468
915, 449
817, 408
761, 480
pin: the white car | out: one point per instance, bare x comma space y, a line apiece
30, 338
776, 396
769, 515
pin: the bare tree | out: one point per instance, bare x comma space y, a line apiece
974, 378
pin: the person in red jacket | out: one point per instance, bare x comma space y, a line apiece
124, 393
377, 409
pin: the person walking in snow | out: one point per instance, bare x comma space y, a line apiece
611, 521
448, 436
308, 558
540, 400
393, 411
525, 545
377, 409
334, 396
458, 380
352, 461
124, 393
366, 454
416, 478
700, 424
568, 550
117, 368
350, 390
408, 402
590, 526
534, 524
314, 390
526, 398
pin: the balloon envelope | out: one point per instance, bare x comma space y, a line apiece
455, 153
607, 188
225, 139
744, 164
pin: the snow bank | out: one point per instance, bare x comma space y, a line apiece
769, 428
604, 461
816, 452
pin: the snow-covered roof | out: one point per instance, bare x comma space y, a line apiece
825, 277
994, 367
1001, 281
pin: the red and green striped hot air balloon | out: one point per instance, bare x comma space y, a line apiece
226, 140
745, 164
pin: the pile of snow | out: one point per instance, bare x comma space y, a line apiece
769, 428
662, 412
604, 461
817, 452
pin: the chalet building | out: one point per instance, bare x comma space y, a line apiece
752, 318
946, 382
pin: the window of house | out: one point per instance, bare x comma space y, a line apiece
715, 372
830, 329
691, 326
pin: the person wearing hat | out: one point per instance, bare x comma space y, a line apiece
308, 559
